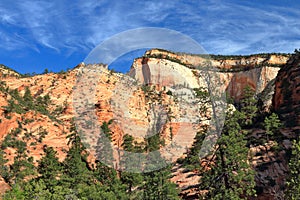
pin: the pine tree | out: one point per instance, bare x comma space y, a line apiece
249, 105
128, 176
157, 184
192, 160
109, 181
293, 183
272, 125
104, 151
76, 168
4, 173
231, 176
15, 193
28, 99
49, 167
46, 71
37, 189
22, 166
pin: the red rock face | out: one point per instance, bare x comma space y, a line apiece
286, 100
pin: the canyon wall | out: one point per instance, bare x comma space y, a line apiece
287, 92
164, 70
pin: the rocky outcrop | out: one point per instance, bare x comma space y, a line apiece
7, 72
233, 72
286, 99
271, 167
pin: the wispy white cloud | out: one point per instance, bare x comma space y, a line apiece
222, 27
6, 18
241, 29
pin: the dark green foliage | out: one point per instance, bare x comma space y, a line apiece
49, 167
156, 183
42, 103
4, 171
42, 134
272, 125
202, 94
128, 143
26, 103
192, 160
146, 88
169, 93
107, 177
153, 143
46, 71
249, 106
10, 140
104, 150
130, 179
13, 107
105, 129
22, 166
293, 183
231, 177
72, 179
157, 186
76, 165
27, 99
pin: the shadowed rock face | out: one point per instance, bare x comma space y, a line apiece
286, 100
146, 71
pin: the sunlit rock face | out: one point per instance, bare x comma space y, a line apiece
233, 74
162, 72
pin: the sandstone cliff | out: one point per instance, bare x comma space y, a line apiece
162, 71
234, 72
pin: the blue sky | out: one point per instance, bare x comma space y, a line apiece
59, 34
